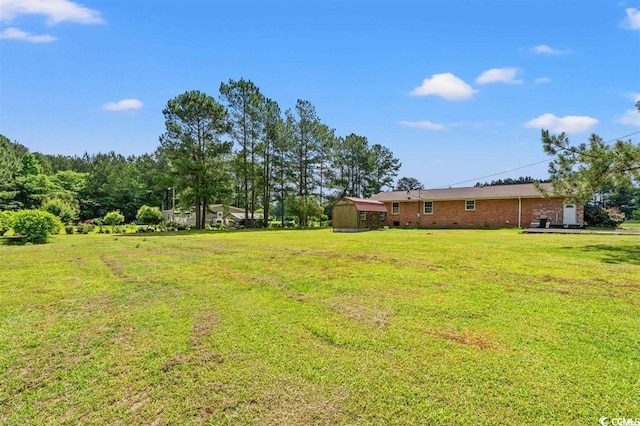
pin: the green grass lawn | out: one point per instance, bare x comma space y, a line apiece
300, 327
631, 224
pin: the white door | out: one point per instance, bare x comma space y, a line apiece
569, 214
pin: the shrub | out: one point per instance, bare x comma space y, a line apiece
149, 216
61, 208
69, 229
6, 219
84, 228
35, 226
635, 215
113, 218
601, 217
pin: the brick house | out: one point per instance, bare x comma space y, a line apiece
503, 206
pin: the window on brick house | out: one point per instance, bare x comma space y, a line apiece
395, 208
470, 205
428, 207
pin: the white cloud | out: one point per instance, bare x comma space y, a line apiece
445, 85
568, 123
13, 33
123, 105
631, 117
632, 21
542, 80
56, 11
424, 125
499, 75
543, 49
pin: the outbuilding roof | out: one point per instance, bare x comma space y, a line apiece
526, 190
240, 216
369, 205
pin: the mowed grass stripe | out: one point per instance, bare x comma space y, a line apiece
402, 327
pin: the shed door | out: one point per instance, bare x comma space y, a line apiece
569, 214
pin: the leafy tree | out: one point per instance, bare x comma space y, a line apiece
306, 144
384, 169
63, 209
113, 218
580, 171
304, 208
149, 216
153, 179
624, 199
72, 182
194, 122
112, 184
35, 226
408, 184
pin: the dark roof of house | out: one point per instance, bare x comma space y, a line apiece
369, 205
526, 190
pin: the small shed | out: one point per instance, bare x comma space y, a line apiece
351, 214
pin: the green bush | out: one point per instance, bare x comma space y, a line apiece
61, 208
35, 226
6, 219
635, 215
113, 218
69, 229
84, 228
149, 216
601, 217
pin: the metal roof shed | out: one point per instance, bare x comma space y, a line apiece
351, 214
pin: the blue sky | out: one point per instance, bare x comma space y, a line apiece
457, 90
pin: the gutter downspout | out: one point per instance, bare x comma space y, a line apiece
519, 212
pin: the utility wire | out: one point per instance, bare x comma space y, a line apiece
524, 167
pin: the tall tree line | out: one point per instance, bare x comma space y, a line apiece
240, 148
291, 160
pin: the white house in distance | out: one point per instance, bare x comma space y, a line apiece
228, 214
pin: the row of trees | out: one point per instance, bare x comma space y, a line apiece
79, 188
291, 160
240, 149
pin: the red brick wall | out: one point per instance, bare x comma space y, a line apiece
488, 213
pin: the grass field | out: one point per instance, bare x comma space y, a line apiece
300, 327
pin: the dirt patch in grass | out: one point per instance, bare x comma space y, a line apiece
114, 266
202, 328
197, 360
297, 296
200, 353
355, 309
287, 402
479, 339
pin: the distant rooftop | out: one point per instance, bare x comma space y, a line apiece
525, 190
367, 205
